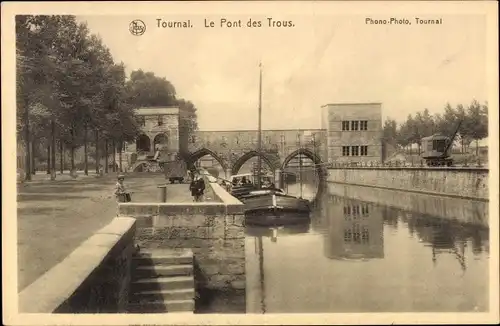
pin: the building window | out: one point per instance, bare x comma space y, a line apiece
160, 120
283, 141
354, 125
355, 211
142, 121
364, 210
363, 125
365, 235
364, 150
355, 151
268, 139
347, 211
237, 140
345, 125
345, 150
347, 235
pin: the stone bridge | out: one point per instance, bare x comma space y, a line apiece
232, 149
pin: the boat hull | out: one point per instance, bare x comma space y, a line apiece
241, 191
272, 208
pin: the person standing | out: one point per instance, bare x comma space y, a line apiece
121, 194
197, 187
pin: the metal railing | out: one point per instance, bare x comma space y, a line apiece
474, 164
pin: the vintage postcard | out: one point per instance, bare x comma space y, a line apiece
250, 163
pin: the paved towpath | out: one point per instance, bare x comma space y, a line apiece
54, 217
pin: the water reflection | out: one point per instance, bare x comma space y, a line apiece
355, 230
361, 256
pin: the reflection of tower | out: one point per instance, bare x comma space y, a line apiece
355, 230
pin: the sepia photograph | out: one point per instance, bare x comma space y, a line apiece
250, 162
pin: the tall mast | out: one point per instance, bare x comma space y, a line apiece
300, 163
259, 139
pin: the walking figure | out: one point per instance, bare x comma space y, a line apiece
197, 187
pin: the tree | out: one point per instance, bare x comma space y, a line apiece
476, 122
463, 131
187, 124
389, 131
146, 89
66, 84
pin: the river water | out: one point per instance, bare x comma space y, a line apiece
361, 256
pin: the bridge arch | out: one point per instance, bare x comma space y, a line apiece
195, 156
245, 157
307, 153
320, 169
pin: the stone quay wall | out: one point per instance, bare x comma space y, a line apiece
466, 183
214, 231
94, 278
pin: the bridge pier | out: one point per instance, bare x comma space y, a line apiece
228, 173
278, 178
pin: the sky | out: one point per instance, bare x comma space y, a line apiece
323, 59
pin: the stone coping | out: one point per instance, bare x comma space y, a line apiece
224, 196
423, 168
56, 286
209, 208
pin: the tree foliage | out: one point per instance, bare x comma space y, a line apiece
66, 77
474, 125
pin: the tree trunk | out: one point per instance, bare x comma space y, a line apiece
32, 149
114, 155
72, 150
477, 147
106, 154
61, 153
48, 159
97, 161
85, 154
27, 168
120, 155
53, 147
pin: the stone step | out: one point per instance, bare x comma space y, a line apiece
164, 257
145, 271
162, 295
163, 283
162, 306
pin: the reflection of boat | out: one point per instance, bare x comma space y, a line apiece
271, 205
272, 232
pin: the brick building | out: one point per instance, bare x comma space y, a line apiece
354, 131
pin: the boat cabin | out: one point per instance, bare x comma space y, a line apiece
249, 179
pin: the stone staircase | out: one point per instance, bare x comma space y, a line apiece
162, 282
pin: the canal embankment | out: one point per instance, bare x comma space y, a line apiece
463, 183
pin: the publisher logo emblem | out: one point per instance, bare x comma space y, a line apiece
137, 27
